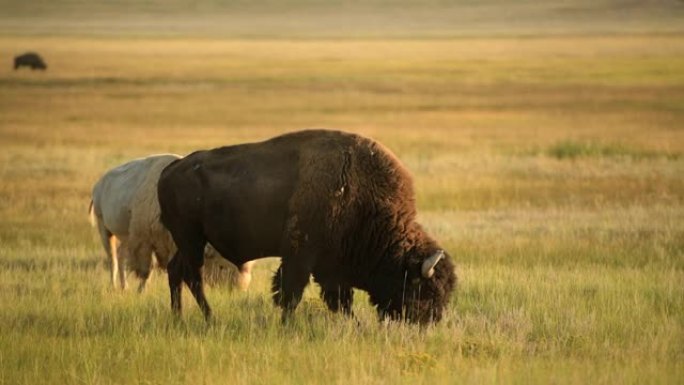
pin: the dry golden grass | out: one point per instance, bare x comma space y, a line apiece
551, 168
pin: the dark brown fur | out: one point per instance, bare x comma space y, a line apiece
334, 205
31, 60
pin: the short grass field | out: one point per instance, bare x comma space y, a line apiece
550, 165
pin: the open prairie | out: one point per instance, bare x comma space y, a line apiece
549, 162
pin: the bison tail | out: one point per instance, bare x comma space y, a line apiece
91, 214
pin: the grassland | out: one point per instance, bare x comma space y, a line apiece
314, 19
549, 166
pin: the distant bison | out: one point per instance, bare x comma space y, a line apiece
125, 210
334, 205
31, 60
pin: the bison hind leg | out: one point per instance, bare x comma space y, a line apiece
186, 266
192, 275
192, 262
141, 260
175, 272
110, 243
288, 286
118, 257
338, 298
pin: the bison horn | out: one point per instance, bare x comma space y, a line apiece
429, 264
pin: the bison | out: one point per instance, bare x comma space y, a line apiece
31, 60
331, 204
125, 209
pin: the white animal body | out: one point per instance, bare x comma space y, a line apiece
125, 210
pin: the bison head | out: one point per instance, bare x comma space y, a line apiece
426, 286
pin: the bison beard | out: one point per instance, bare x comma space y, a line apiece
334, 205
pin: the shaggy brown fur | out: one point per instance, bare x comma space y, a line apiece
334, 205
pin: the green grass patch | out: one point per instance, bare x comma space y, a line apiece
569, 149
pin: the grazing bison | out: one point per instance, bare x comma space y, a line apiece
125, 210
334, 205
31, 60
